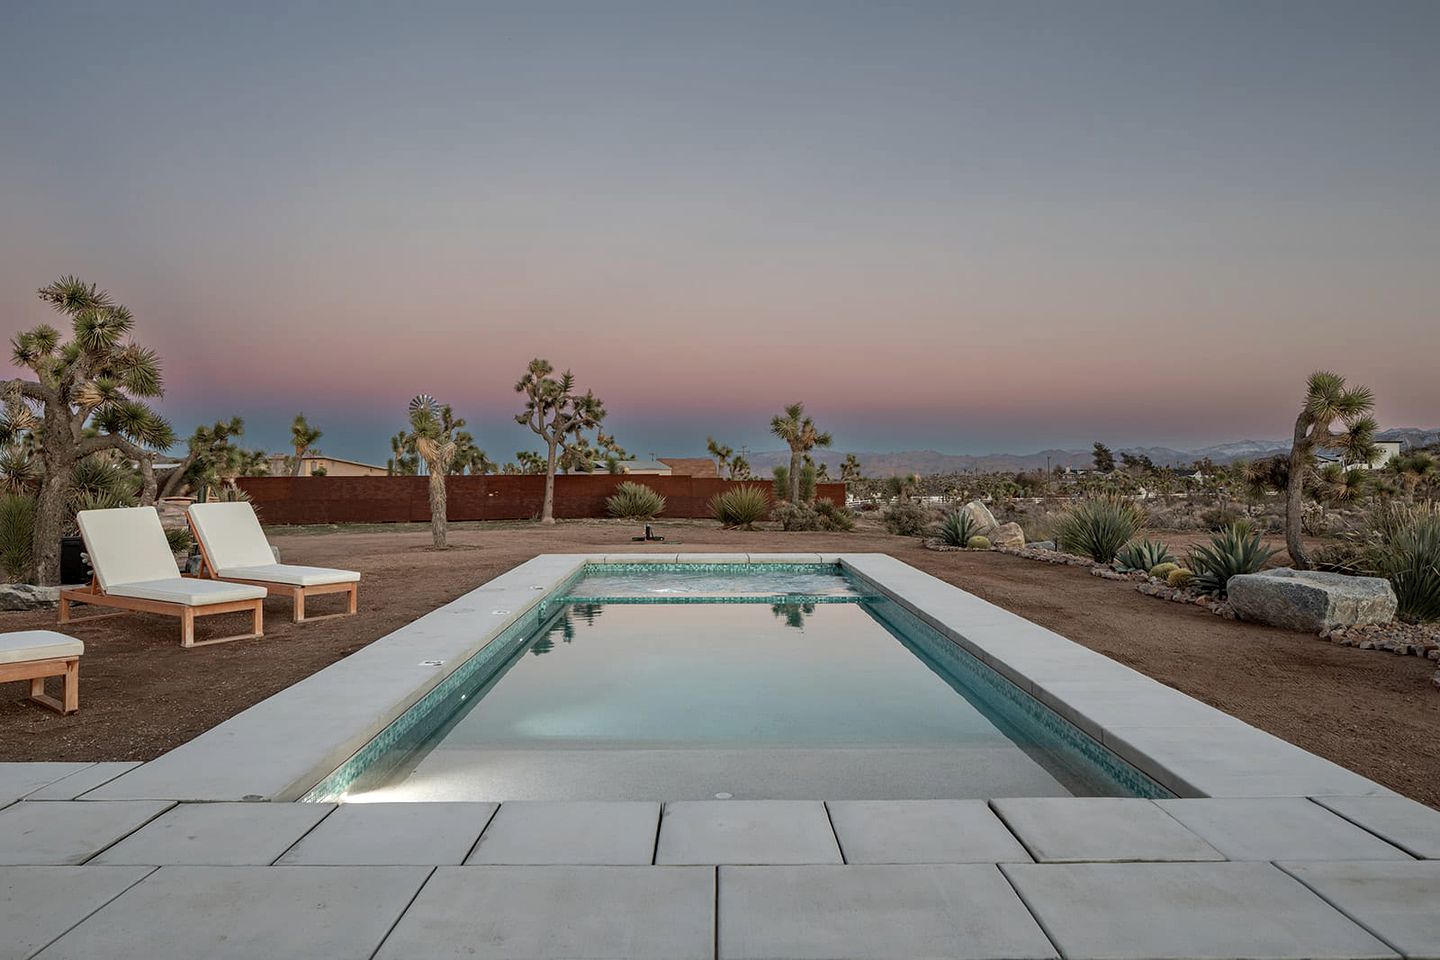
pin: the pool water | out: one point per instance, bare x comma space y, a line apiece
646, 685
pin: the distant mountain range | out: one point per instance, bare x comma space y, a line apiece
932, 461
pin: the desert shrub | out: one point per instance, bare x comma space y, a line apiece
1180, 578
1406, 552
906, 518
740, 507
807, 482
1099, 528
956, 528
17, 534
781, 483
1162, 571
1218, 520
230, 493
1230, 553
820, 515
1142, 555
635, 501
978, 542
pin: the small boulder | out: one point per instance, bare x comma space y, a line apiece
27, 596
980, 516
1042, 545
1310, 600
1007, 536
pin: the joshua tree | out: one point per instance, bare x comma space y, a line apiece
554, 411
528, 461
739, 468
432, 438
1104, 459
799, 433
469, 458
85, 399
1412, 469
722, 455
1327, 401
211, 453
850, 468
302, 438
402, 462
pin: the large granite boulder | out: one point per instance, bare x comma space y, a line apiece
981, 516
1007, 536
1310, 600
26, 596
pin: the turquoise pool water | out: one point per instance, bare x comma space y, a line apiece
744, 681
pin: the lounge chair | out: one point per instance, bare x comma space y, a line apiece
135, 570
36, 654
233, 548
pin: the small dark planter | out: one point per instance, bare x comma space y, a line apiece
73, 568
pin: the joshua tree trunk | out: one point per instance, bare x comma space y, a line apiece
438, 516
547, 510
299, 462
795, 475
1295, 496
50, 521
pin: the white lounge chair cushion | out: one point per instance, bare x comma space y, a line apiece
289, 573
26, 646
126, 545
231, 535
188, 591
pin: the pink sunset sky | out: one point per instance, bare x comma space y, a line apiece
966, 227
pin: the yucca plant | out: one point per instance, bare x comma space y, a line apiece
1230, 553
1098, 528
17, 534
1407, 553
635, 501
179, 539
741, 507
956, 529
1143, 556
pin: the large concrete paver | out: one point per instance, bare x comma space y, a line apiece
538, 913
38, 904
393, 833
1398, 902
1400, 820
1278, 828
875, 911
69, 832
922, 831
19, 779
1074, 829
566, 832
183, 913
746, 831
82, 781
219, 834
1160, 911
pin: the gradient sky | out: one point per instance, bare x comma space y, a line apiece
971, 227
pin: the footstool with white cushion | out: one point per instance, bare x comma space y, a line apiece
36, 654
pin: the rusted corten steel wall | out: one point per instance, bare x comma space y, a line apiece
406, 499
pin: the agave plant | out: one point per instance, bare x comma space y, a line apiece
956, 529
1231, 552
1098, 528
1143, 556
635, 501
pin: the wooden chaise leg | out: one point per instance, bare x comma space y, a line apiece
299, 611
354, 597
67, 668
188, 615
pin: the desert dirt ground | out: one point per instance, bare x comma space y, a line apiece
141, 694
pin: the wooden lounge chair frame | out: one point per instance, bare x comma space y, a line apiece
37, 670
296, 592
187, 613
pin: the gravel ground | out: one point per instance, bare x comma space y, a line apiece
141, 694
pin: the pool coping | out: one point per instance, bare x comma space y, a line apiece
281, 747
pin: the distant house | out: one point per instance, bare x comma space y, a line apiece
1385, 450
325, 467
691, 466
652, 468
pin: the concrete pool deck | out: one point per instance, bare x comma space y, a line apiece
1269, 851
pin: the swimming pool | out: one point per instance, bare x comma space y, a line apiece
691, 681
